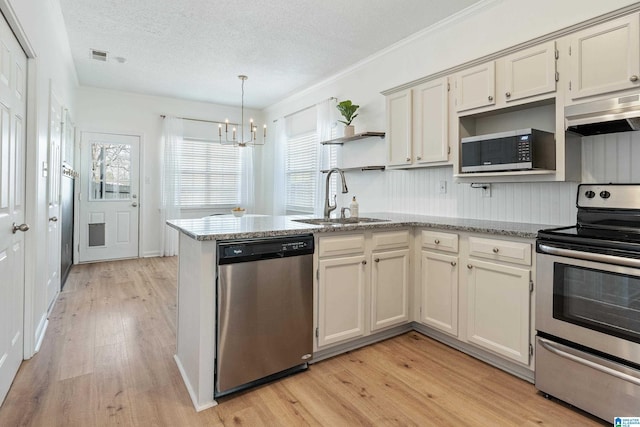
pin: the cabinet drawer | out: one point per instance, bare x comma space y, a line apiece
341, 245
390, 239
502, 250
442, 241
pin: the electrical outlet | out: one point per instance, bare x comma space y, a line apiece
486, 190
442, 187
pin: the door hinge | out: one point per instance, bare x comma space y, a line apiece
78, 247
569, 84
448, 149
557, 54
318, 274
530, 350
557, 76
569, 50
317, 333
530, 285
448, 87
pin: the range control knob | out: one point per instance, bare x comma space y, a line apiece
589, 194
605, 194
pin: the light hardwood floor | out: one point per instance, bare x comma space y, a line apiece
107, 359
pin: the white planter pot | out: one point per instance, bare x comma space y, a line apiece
349, 130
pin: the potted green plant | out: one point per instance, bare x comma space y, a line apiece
348, 111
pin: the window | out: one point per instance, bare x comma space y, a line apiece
210, 174
301, 173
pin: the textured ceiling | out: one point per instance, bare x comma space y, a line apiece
195, 49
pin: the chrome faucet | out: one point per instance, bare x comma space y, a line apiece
328, 207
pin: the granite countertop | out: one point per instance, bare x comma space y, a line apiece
228, 227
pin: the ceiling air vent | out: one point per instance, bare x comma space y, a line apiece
99, 55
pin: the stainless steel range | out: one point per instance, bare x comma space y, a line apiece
588, 304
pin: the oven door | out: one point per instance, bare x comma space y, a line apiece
590, 299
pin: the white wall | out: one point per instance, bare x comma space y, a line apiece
100, 110
39, 23
490, 27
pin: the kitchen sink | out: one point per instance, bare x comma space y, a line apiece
340, 221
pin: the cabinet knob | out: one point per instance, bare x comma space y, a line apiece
377, 260
496, 250
453, 263
419, 158
469, 266
22, 227
437, 242
508, 94
408, 159
364, 262
53, 219
633, 78
490, 98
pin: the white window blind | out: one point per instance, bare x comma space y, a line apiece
210, 174
301, 172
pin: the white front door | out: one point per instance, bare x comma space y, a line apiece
109, 201
13, 109
53, 195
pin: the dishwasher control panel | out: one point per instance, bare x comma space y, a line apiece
252, 250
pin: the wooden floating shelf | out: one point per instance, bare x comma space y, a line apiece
359, 168
340, 141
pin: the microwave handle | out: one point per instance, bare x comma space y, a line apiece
590, 256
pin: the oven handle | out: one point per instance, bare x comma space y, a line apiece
590, 256
549, 346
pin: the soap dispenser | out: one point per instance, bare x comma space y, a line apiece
353, 208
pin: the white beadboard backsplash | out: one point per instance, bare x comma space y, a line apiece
605, 158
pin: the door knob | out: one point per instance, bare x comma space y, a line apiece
53, 219
21, 227
134, 204
490, 98
453, 263
508, 94
377, 260
469, 266
633, 78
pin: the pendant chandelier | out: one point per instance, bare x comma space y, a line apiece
238, 135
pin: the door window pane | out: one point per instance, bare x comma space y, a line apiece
110, 171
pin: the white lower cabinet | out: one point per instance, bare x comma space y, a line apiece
439, 285
363, 284
341, 299
498, 301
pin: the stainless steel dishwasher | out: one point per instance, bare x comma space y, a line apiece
264, 310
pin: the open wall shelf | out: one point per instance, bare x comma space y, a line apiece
340, 141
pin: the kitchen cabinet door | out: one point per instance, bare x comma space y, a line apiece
389, 288
476, 87
605, 58
430, 123
399, 130
498, 309
439, 285
341, 299
530, 72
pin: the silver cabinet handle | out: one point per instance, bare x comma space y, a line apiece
377, 260
633, 78
364, 262
437, 242
53, 219
134, 204
490, 98
21, 227
496, 250
469, 266
453, 263
508, 94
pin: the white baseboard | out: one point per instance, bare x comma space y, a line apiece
40, 332
192, 393
151, 254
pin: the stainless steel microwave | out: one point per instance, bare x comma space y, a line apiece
521, 149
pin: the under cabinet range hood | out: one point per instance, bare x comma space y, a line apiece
605, 116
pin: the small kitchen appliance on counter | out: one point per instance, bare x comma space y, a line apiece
588, 304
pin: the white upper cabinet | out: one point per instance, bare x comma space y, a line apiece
399, 131
605, 58
476, 87
430, 124
530, 72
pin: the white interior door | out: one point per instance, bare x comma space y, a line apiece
13, 108
53, 195
109, 200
